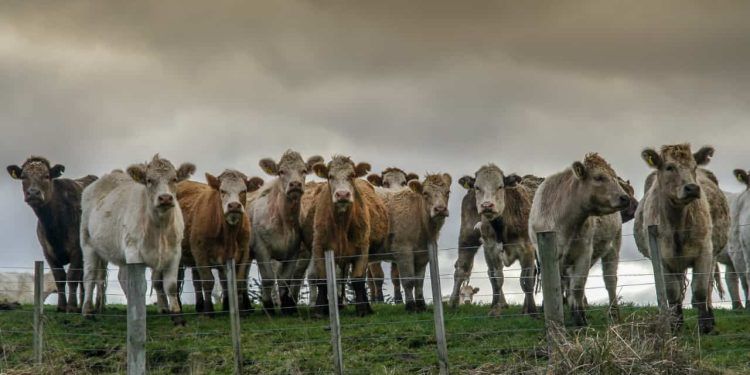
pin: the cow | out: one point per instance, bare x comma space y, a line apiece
393, 179
416, 216
17, 288
134, 217
351, 220
579, 204
738, 247
274, 213
498, 206
216, 230
684, 200
56, 202
466, 293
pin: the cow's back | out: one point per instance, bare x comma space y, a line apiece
189, 194
719, 209
378, 215
406, 214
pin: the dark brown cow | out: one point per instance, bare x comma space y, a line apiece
216, 229
57, 204
349, 219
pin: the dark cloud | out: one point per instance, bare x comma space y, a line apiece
427, 86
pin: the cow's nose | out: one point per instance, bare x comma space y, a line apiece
440, 209
488, 205
166, 200
295, 185
624, 200
34, 192
234, 206
692, 190
467, 302
343, 195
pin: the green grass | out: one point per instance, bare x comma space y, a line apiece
388, 342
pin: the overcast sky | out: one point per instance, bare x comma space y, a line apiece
426, 86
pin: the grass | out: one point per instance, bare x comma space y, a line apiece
388, 342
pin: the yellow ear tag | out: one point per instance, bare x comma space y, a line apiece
650, 161
739, 178
13, 174
466, 184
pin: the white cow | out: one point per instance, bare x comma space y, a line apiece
739, 233
18, 287
135, 218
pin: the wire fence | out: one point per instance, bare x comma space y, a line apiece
390, 341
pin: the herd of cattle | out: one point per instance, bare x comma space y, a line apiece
152, 214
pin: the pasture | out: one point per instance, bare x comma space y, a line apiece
390, 341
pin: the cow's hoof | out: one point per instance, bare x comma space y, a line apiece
579, 318
421, 306
364, 309
289, 311
495, 312
73, 309
614, 314
178, 320
320, 311
410, 306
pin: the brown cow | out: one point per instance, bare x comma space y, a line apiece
692, 214
216, 230
57, 204
392, 179
350, 219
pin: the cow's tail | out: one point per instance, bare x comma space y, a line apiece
538, 275
717, 280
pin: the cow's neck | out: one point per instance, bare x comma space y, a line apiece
573, 214
287, 209
49, 213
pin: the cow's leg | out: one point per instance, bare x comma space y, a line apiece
358, 283
223, 281
673, 284
528, 280
609, 273
495, 273
91, 262
74, 278
578, 289
396, 280
407, 274
170, 282
58, 272
243, 272
207, 286
701, 287
200, 304
318, 281
157, 279
267, 276
375, 276
101, 286
420, 266
286, 289
462, 268
733, 283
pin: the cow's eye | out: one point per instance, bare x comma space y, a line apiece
670, 168
174, 179
149, 181
281, 173
224, 192
500, 187
599, 178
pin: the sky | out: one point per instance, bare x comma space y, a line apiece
428, 86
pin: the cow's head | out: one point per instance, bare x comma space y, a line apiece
599, 186
466, 294
160, 178
340, 173
392, 178
233, 187
291, 171
742, 177
435, 191
36, 175
629, 212
676, 167
489, 184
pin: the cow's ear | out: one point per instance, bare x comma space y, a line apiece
56, 171
312, 161
703, 156
269, 166
138, 173
375, 179
15, 172
415, 186
511, 180
579, 170
412, 176
213, 182
448, 179
185, 171
321, 170
741, 176
467, 182
652, 158
475, 290
361, 169
254, 183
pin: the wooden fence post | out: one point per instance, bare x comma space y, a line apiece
234, 315
38, 311
333, 312
437, 302
136, 318
551, 288
661, 288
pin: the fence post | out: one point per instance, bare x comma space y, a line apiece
333, 312
552, 292
655, 255
136, 318
38, 311
234, 315
437, 302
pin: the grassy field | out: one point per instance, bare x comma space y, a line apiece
388, 342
